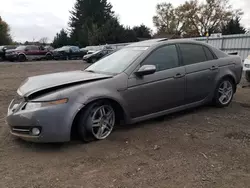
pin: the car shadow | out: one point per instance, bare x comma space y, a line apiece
46, 147
55, 147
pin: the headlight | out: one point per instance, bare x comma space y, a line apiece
32, 105
35, 105
247, 65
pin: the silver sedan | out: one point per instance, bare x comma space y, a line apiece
141, 81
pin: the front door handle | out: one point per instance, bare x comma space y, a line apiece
214, 68
179, 75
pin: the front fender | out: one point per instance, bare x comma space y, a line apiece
103, 93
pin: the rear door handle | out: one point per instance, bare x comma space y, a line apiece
179, 75
214, 68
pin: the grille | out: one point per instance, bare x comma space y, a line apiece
21, 130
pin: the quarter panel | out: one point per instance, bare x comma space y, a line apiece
200, 80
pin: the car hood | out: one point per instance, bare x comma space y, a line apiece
63, 79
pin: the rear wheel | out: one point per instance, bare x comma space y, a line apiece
48, 57
96, 122
247, 75
224, 92
21, 58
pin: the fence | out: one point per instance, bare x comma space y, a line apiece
228, 43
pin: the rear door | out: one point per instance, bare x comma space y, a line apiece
201, 69
32, 52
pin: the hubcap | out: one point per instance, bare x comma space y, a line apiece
103, 121
225, 92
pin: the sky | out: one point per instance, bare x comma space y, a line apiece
33, 19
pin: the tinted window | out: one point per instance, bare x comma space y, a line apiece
209, 54
163, 58
192, 53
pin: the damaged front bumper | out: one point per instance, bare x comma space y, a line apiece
45, 124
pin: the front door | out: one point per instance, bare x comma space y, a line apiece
165, 89
201, 70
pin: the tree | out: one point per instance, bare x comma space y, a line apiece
61, 39
86, 16
233, 27
111, 32
44, 40
142, 31
193, 18
5, 37
168, 19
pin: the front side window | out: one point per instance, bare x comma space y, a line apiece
163, 58
75, 49
192, 53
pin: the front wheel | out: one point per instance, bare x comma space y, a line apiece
224, 92
21, 58
49, 57
93, 60
96, 122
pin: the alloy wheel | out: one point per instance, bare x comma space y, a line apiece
103, 121
225, 92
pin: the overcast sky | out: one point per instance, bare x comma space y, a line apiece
34, 19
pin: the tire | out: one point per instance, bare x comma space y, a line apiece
247, 75
49, 57
93, 60
21, 58
90, 130
224, 92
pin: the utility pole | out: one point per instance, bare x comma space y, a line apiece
207, 35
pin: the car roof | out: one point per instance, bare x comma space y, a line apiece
160, 41
147, 43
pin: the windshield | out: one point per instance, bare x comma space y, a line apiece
21, 48
118, 61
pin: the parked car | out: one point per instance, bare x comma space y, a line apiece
3, 50
93, 57
141, 81
29, 52
68, 52
246, 68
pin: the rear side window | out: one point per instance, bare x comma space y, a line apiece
163, 58
208, 53
192, 53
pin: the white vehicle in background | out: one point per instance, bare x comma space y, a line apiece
246, 68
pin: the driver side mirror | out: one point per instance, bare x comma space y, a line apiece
26, 49
146, 70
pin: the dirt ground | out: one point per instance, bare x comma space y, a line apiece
204, 147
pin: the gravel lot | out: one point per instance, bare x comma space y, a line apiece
204, 147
